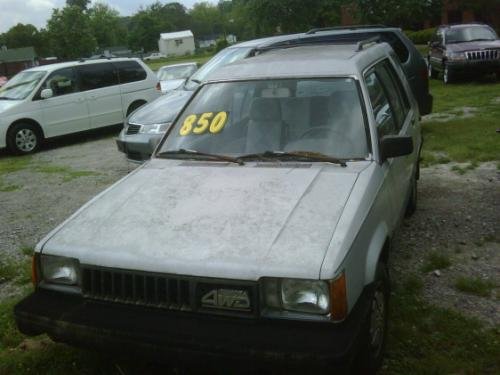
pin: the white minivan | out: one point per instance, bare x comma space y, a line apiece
53, 100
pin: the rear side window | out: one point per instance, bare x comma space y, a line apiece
130, 71
95, 76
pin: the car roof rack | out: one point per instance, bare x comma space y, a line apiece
300, 43
353, 27
367, 43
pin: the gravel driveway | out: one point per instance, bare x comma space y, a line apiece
457, 217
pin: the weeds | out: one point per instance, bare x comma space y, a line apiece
475, 286
436, 261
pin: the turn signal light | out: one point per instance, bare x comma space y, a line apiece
338, 298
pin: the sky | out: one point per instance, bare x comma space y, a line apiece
37, 12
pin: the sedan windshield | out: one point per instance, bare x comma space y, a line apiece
21, 85
226, 56
469, 34
176, 72
310, 118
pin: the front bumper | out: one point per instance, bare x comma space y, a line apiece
469, 66
137, 147
155, 333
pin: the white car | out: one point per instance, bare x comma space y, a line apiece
58, 99
173, 76
155, 56
260, 229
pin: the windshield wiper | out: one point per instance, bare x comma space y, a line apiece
308, 155
480, 40
197, 154
6, 98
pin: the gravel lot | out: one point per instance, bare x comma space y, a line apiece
457, 216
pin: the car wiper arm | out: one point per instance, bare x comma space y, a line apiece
183, 151
310, 155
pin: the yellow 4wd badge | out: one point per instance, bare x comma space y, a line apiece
199, 124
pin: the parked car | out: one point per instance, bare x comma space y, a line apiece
155, 56
173, 76
468, 48
145, 127
58, 99
261, 227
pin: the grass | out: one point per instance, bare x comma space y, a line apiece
475, 286
424, 339
15, 270
473, 139
14, 164
436, 261
67, 172
200, 59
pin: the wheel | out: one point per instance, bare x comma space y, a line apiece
447, 74
375, 330
23, 138
430, 70
134, 106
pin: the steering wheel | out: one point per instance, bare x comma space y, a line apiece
327, 130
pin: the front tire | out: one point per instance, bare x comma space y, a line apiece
375, 333
23, 138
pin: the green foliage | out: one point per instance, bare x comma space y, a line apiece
70, 32
436, 261
421, 36
475, 285
22, 35
106, 26
221, 44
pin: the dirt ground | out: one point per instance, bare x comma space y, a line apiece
457, 216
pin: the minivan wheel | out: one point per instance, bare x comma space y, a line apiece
23, 138
375, 332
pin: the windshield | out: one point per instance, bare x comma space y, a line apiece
469, 34
21, 85
316, 115
224, 57
176, 72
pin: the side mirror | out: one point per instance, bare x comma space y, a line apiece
46, 93
393, 146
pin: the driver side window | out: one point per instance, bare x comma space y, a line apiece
61, 82
382, 111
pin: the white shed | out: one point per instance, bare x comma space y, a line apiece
178, 43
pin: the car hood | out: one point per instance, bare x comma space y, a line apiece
212, 219
171, 84
7, 104
163, 109
473, 46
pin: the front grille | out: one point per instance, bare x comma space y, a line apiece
133, 129
172, 292
137, 288
487, 54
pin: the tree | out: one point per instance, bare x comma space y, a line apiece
70, 33
106, 26
82, 4
21, 35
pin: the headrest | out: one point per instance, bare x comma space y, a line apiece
265, 109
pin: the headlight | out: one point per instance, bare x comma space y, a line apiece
306, 296
456, 56
60, 270
155, 128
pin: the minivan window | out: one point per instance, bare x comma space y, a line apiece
95, 76
130, 71
21, 85
61, 82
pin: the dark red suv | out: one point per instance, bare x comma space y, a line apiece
468, 48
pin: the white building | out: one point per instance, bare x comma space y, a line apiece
178, 43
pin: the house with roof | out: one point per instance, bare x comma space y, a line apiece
14, 60
178, 43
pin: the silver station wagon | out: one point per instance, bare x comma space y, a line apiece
260, 229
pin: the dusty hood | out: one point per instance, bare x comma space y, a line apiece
212, 219
473, 46
162, 110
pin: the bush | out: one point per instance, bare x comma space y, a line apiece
421, 36
221, 44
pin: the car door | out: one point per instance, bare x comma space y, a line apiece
67, 110
392, 117
100, 84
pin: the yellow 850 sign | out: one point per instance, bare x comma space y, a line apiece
199, 124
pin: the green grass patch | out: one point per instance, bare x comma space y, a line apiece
5, 187
14, 164
68, 173
18, 271
200, 59
475, 286
424, 339
27, 250
472, 139
436, 261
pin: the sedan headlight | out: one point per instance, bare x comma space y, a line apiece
155, 128
60, 270
298, 295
